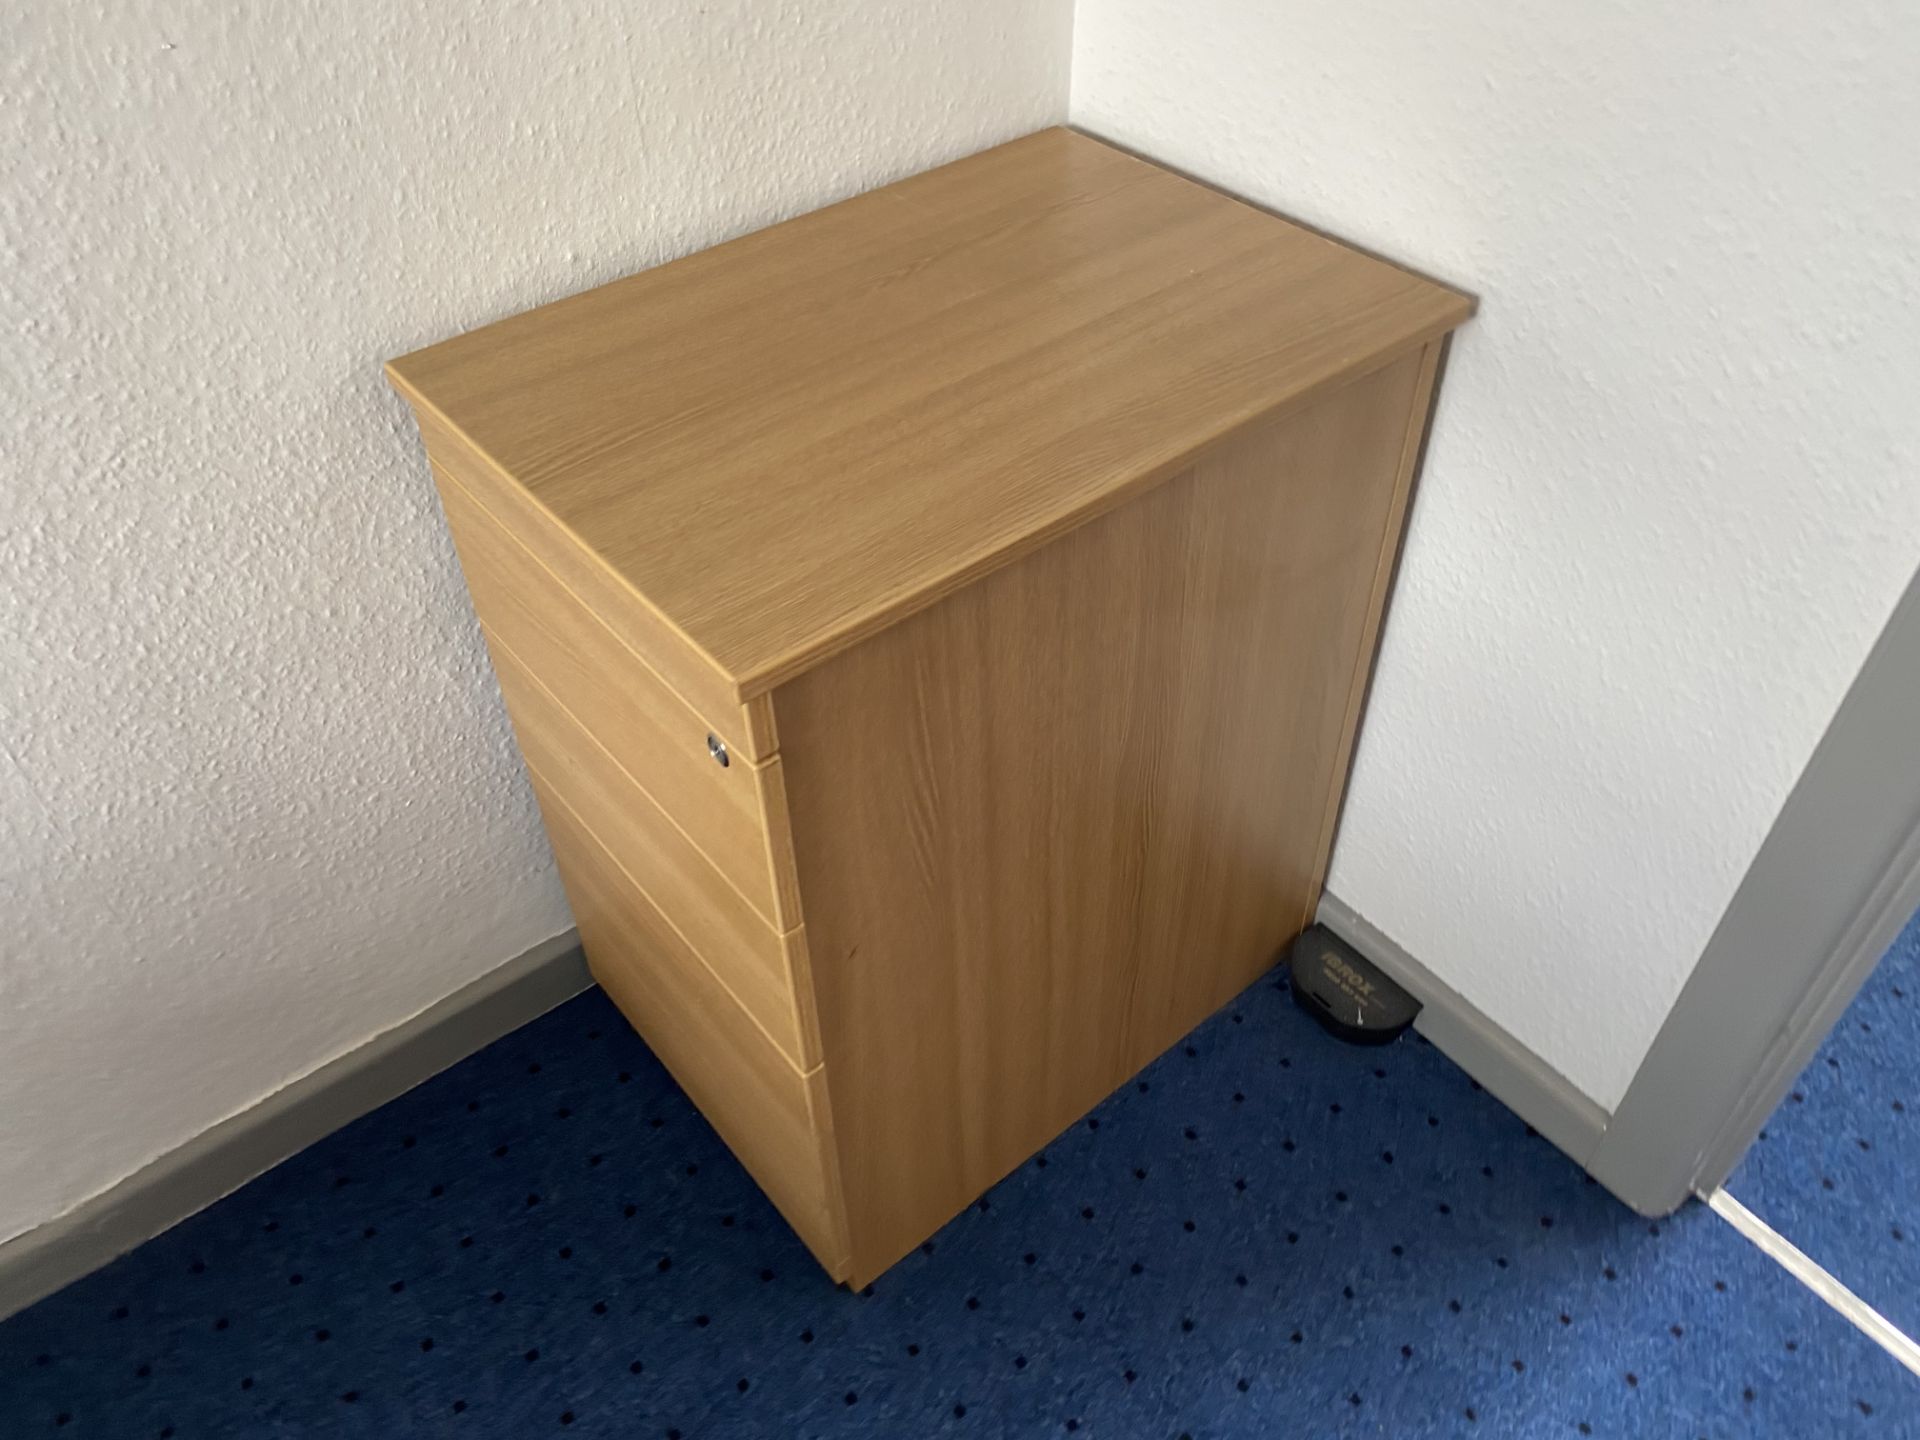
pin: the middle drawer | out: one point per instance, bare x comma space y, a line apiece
755, 963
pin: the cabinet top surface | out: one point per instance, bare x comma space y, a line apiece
791, 440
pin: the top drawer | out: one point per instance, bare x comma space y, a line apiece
733, 813
747, 729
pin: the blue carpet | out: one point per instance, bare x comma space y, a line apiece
1837, 1170
1269, 1235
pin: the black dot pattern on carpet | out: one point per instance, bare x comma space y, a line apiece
548, 1238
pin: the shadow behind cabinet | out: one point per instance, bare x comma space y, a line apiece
936, 630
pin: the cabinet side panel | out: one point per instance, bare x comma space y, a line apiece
1386, 564
1048, 825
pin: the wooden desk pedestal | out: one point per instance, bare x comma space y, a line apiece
936, 629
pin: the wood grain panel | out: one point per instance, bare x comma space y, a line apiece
769, 1114
728, 812
746, 727
790, 441
1384, 567
1048, 825
754, 962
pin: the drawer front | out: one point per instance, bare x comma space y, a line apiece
734, 813
747, 729
753, 961
770, 1115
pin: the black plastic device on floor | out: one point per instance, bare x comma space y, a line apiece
1346, 992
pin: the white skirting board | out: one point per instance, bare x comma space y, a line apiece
220, 1160
1513, 1074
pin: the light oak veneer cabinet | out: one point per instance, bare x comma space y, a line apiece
936, 628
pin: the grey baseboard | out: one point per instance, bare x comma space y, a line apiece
222, 1159
1513, 1074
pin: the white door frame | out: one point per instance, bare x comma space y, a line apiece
1834, 882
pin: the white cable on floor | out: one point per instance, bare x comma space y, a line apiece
1882, 1331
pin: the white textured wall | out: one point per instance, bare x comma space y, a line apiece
257, 800
1675, 487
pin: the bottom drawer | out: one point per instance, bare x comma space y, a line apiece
771, 1116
